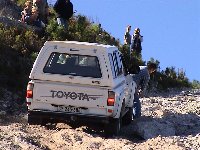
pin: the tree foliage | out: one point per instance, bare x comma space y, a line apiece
196, 84
169, 77
80, 29
16, 49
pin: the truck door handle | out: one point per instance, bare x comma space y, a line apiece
97, 82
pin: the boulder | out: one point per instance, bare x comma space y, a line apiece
148, 129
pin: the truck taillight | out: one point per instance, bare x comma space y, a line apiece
111, 98
29, 91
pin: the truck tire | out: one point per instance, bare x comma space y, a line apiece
127, 119
114, 127
32, 120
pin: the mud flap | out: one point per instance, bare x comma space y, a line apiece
113, 127
128, 117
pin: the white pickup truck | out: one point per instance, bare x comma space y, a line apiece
80, 80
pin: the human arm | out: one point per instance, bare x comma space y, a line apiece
141, 38
125, 38
144, 85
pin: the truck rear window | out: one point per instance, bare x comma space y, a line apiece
75, 65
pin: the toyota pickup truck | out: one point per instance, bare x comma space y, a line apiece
78, 80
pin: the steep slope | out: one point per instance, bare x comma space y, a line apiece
9, 9
170, 121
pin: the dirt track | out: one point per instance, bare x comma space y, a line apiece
176, 117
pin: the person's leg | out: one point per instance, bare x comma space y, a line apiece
138, 51
66, 24
136, 107
43, 18
37, 23
62, 22
59, 21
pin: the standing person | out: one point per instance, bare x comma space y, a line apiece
33, 18
64, 11
127, 36
136, 41
27, 11
141, 79
43, 9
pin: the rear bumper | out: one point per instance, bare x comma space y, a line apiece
68, 116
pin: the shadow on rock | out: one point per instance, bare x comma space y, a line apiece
184, 124
145, 127
6, 119
169, 125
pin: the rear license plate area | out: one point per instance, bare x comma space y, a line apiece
69, 109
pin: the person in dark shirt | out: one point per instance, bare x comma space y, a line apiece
43, 10
27, 11
127, 36
33, 19
136, 42
64, 11
142, 79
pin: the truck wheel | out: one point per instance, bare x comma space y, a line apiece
114, 127
127, 119
32, 120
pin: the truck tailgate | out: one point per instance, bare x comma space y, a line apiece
68, 94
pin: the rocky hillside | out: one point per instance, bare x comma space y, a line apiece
10, 15
9, 9
169, 121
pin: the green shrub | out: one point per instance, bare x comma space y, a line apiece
55, 32
79, 29
196, 84
168, 79
17, 48
21, 2
24, 41
131, 62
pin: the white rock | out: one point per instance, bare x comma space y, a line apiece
150, 129
2, 113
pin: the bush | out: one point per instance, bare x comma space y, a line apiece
196, 84
24, 41
167, 81
131, 62
55, 32
21, 3
79, 29
17, 50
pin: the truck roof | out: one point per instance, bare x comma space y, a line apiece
79, 43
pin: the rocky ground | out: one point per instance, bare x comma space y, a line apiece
169, 121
